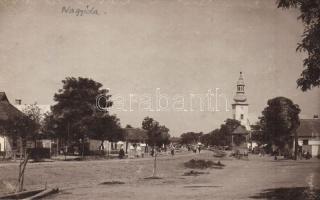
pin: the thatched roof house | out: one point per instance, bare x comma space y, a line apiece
7, 110
309, 135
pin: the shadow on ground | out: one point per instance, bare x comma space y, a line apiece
296, 193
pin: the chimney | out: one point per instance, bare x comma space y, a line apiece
315, 116
18, 101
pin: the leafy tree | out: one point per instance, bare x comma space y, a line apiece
226, 130
75, 107
214, 138
310, 16
106, 127
279, 121
257, 135
190, 138
34, 113
157, 136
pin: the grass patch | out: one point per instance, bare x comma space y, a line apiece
202, 164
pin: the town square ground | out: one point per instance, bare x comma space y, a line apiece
255, 178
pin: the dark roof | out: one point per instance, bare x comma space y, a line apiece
135, 134
7, 110
240, 130
309, 128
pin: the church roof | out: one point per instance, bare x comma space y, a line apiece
240, 80
7, 110
240, 130
240, 97
240, 94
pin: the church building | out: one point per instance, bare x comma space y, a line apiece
240, 107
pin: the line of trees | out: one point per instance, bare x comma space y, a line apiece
217, 137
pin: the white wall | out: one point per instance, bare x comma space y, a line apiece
314, 143
241, 109
2, 143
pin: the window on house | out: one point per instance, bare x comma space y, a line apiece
241, 116
305, 142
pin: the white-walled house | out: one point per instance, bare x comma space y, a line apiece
134, 137
309, 136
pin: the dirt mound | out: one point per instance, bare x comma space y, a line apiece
194, 173
202, 164
152, 177
112, 183
219, 154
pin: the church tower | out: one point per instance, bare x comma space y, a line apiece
240, 107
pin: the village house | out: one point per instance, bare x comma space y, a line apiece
8, 146
309, 135
133, 138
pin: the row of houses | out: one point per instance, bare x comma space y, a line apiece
134, 137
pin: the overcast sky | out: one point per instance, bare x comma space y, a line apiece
135, 47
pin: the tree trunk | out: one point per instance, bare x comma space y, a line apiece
296, 145
82, 152
22, 167
154, 163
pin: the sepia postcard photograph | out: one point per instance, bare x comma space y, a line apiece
160, 99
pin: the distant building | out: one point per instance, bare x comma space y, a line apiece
309, 135
240, 107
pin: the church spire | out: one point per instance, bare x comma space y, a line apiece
240, 94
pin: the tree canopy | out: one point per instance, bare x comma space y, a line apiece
75, 116
106, 127
190, 138
157, 134
310, 16
279, 121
